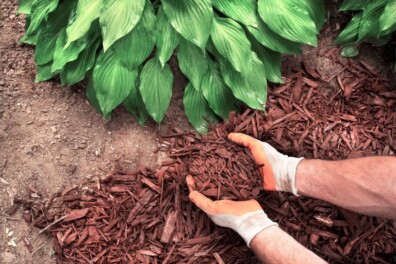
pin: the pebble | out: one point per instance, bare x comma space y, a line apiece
3, 181
82, 145
12, 243
97, 152
71, 169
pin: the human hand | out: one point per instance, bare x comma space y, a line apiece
279, 171
247, 218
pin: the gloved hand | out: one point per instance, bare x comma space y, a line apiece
247, 218
279, 171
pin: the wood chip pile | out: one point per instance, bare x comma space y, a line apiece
221, 168
145, 216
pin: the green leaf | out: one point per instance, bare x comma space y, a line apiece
231, 42
217, 94
192, 62
239, 10
87, 11
353, 5
388, 18
118, 18
74, 71
45, 48
271, 61
112, 81
197, 109
251, 90
264, 35
167, 38
134, 48
91, 95
25, 6
290, 19
370, 23
317, 11
350, 33
135, 105
349, 51
156, 88
258, 79
39, 13
64, 54
50, 32
192, 19
44, 72
31, 38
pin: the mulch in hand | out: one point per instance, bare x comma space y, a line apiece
221, 169
145, 216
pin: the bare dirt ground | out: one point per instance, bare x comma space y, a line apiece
52, 139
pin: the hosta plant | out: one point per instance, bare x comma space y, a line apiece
374, 20
227, 49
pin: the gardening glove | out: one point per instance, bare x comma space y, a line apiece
247, 218
278, 171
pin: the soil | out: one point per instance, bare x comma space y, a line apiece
52, 139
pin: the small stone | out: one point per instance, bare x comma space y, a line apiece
12, 243
4, 181
34, 195
71, 169
97, 152
54, 129
83, 144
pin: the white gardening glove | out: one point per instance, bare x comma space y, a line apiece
279, 171
247, 218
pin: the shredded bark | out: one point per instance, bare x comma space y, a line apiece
145, 216
221, 169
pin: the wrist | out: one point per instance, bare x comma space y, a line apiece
265, 235
292, 165
252, 224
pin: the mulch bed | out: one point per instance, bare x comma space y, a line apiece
145, 216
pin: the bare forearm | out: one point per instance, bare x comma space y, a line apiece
273, 245
364, 185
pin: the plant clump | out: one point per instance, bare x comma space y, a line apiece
227, 49
373, 21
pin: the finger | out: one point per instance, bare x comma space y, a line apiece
242, 139
252, 144
203, 202
259, 155
190, 183
239, 208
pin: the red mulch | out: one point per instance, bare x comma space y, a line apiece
145, 216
